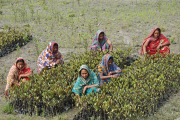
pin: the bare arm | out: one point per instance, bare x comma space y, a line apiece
162, 45
110, 44
17, 83
107, 77
165, 44
104, 77
90, 86
144, 46
115, 72
27, 74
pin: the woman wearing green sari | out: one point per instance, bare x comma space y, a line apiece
86, 82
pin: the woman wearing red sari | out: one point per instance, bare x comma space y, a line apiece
18, 71
155, 42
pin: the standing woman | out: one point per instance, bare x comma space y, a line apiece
155, 42
18, 71
86, 82
107, 69
101, 42
49, 58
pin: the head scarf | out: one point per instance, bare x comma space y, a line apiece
14, 73
47, 57
97, 44
23, 69
161, 37
81, 82
104, 64
88, 70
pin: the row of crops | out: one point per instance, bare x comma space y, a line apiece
144, 84
12, 38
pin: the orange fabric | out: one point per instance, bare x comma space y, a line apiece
153, 44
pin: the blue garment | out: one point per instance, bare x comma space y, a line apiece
104, 69
81, 82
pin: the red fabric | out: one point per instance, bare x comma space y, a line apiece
26, 69
153, 44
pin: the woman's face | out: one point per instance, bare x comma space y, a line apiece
110, 62
84, 74
156, 34
20, 65
55, 49
101, 36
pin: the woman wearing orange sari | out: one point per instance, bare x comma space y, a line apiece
18, 71
155, 42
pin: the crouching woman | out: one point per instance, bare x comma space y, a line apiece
86, 82
18, 71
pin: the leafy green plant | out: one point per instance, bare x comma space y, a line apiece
8, 108
137, 92
72, 15
12, 39
51, 92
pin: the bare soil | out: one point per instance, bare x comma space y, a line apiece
45, 28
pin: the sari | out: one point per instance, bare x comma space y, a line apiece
47, 58
153, 44
14, 74
102, 45
104, 69
81, 82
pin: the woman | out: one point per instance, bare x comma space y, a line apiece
155, 42
107, 69
18, 71
101, 42
50, 57
86, 82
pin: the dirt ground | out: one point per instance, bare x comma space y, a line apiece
124, 22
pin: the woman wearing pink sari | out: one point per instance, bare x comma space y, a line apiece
18, 71
155, 42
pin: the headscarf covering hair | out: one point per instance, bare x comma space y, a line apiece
156, 41
102, 44
104, 64
81, 82
88, 70
48, 58
14, 73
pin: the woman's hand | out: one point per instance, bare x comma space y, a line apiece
6, 93
18, 84
84, 89
58, 61
110, 73
113, 76
159, 46
20, 76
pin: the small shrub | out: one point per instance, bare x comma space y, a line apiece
8, 108
72, 15
51, 92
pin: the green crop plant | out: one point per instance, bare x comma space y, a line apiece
12, 39
51, 92
137, 93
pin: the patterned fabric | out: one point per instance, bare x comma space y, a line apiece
102, 45
14, 73
104, 69
48, 58
153, 44
81, 82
